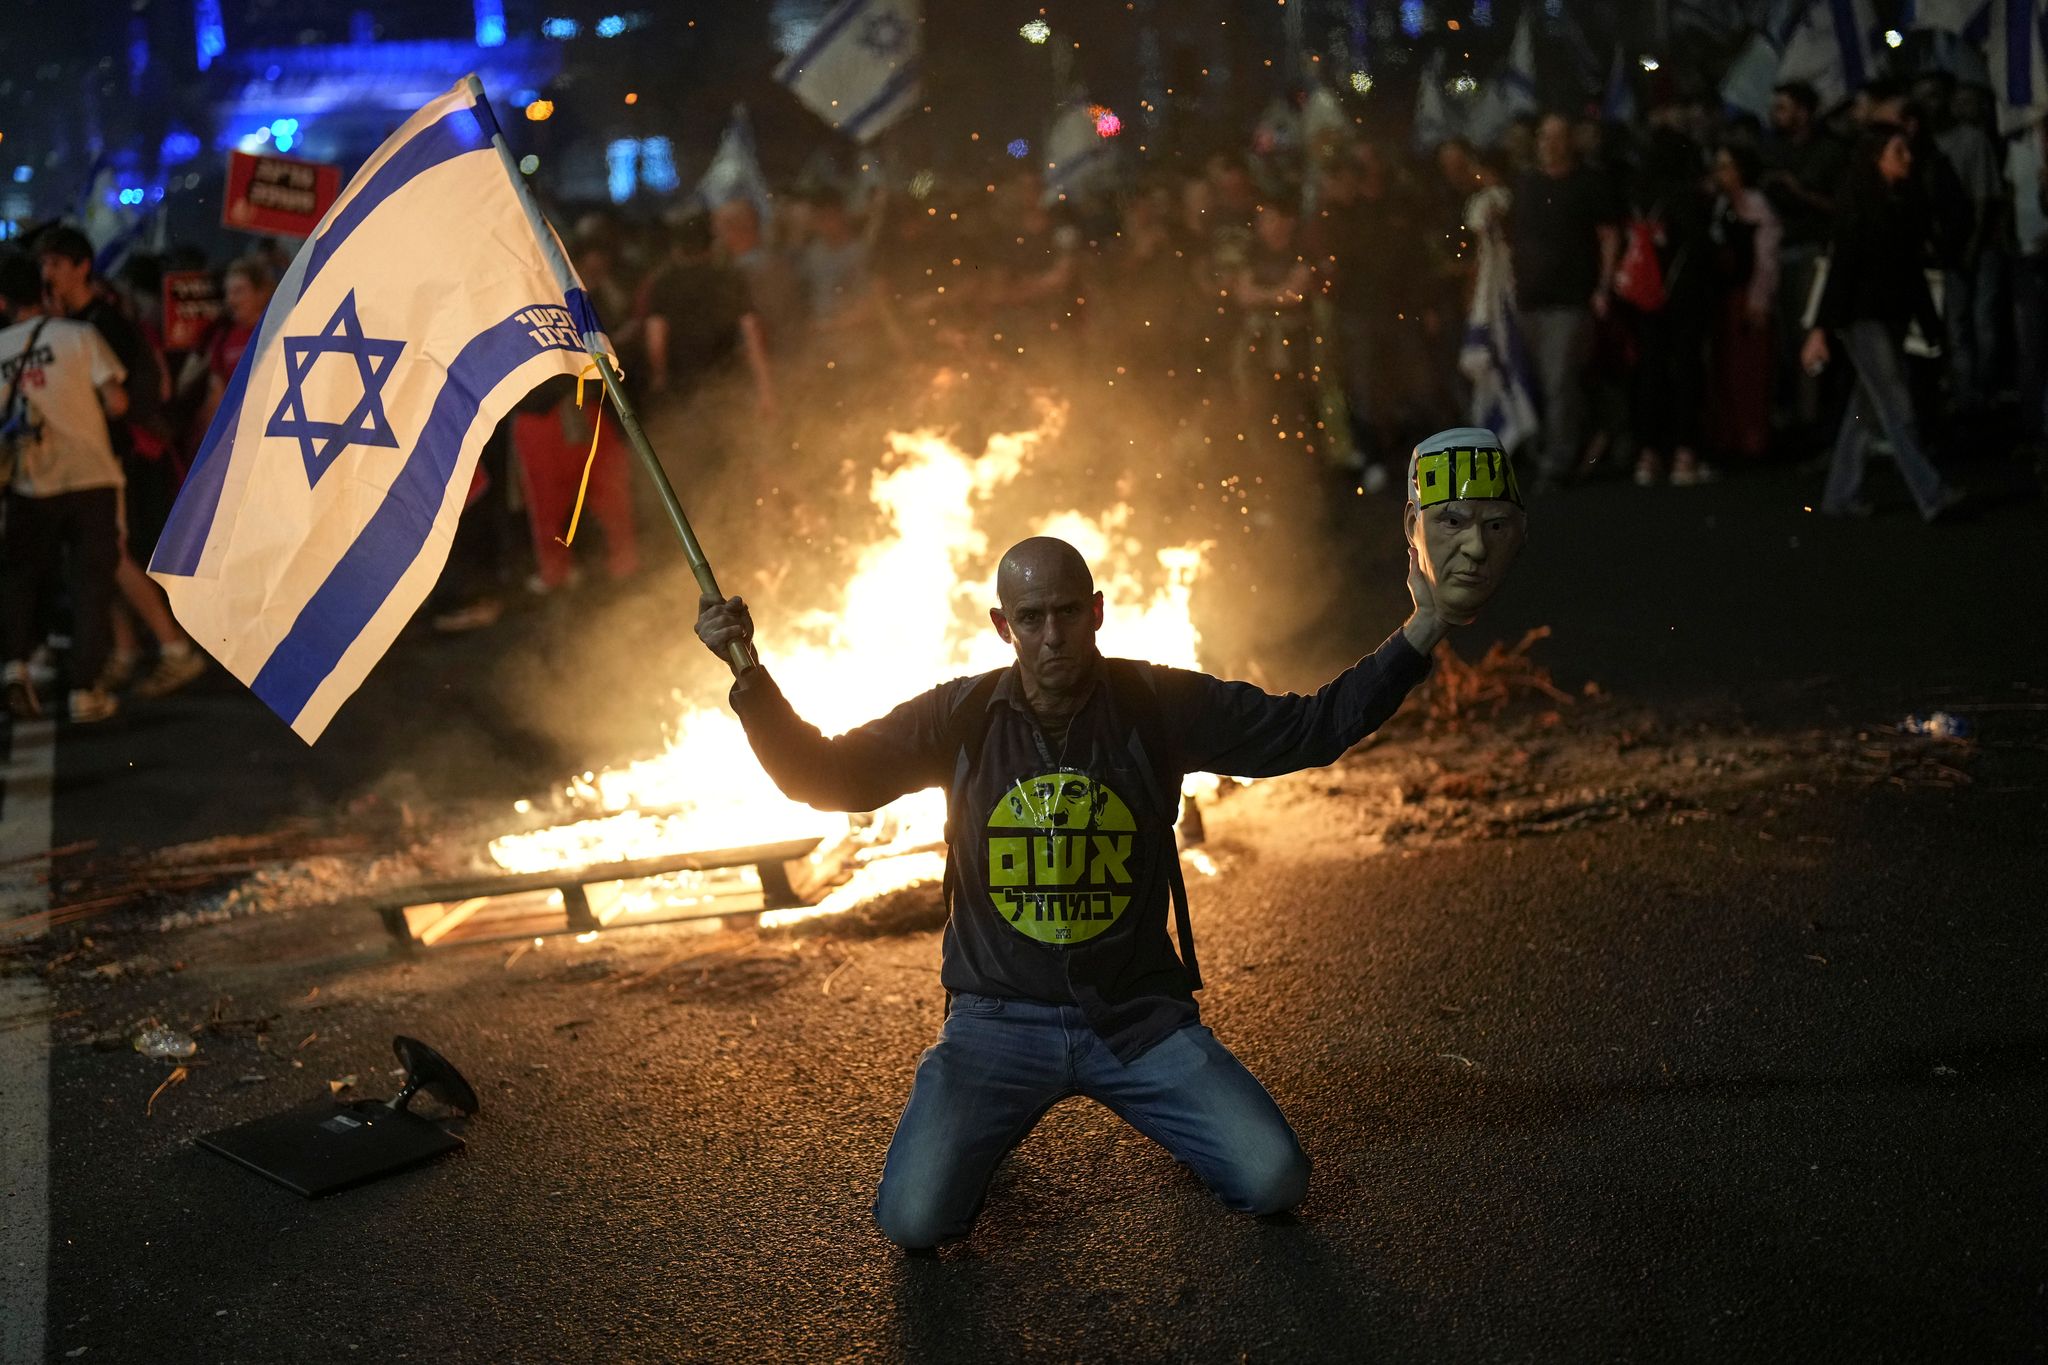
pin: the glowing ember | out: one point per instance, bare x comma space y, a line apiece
910, 616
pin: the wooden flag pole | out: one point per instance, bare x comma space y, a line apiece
740, 654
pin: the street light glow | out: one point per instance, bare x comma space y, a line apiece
1893, 38
540, 111
1036, 31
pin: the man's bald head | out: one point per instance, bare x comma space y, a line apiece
1041, 562
1049, 614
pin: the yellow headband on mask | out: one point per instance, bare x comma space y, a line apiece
1461, 464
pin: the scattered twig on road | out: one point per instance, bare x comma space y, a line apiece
177, 1077
63, 851
825, 987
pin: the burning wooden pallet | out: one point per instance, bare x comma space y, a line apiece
576, 900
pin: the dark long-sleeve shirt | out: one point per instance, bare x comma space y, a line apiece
1060, 851
1876, 267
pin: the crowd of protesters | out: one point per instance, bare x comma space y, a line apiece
1669, 301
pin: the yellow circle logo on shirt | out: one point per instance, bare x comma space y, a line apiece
1059, 853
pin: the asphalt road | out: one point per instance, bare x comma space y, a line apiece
1759, 1077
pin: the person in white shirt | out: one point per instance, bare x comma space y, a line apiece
60, 382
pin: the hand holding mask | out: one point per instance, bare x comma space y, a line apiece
1464, 519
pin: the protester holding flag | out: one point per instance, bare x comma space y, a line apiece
1494, 357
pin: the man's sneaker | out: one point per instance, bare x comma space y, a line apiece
22, 702
1947, 507
89, 705
1650, 469
119, 672
42, 667
174, 668
485, 611
1688, 472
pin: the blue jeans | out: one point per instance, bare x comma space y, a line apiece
2030, 338
1000, 1064
1970, 306
1880, 399
1560, 342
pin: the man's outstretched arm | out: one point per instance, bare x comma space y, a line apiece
1242, 731
863, 769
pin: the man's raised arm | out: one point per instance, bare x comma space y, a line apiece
863, 769
1240, 730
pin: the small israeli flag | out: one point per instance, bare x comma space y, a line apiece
1432, 124
1494, 358
322, 503
1966, 17
1511, 92
2014, 50
1831, 45
1078, 157
861, 70
735, 170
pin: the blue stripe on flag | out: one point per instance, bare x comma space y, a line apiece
827, 31
2019, 53
1849, 41
183, 541
343, 605
456, 132
1074, 165
584, 312
891, 91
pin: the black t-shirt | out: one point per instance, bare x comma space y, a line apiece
1554, 236
1816, 166
1062, 848
145, 376
703, 303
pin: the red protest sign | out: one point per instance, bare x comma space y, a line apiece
279, 194
192, 300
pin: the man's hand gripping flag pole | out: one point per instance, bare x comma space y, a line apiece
741, 655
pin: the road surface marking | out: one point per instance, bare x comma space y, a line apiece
26, 780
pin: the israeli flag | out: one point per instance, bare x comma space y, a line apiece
321, 505
1618, 105
2014, 49
1432, 124
1966, 17
1512, 90
861, 70
1495, 360
1078, 157
1752, 78
735, 170
1831, 45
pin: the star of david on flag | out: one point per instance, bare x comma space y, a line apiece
319, 510
366, 423
861, 70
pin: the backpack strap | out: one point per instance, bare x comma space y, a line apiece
1135, 690
966, 733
